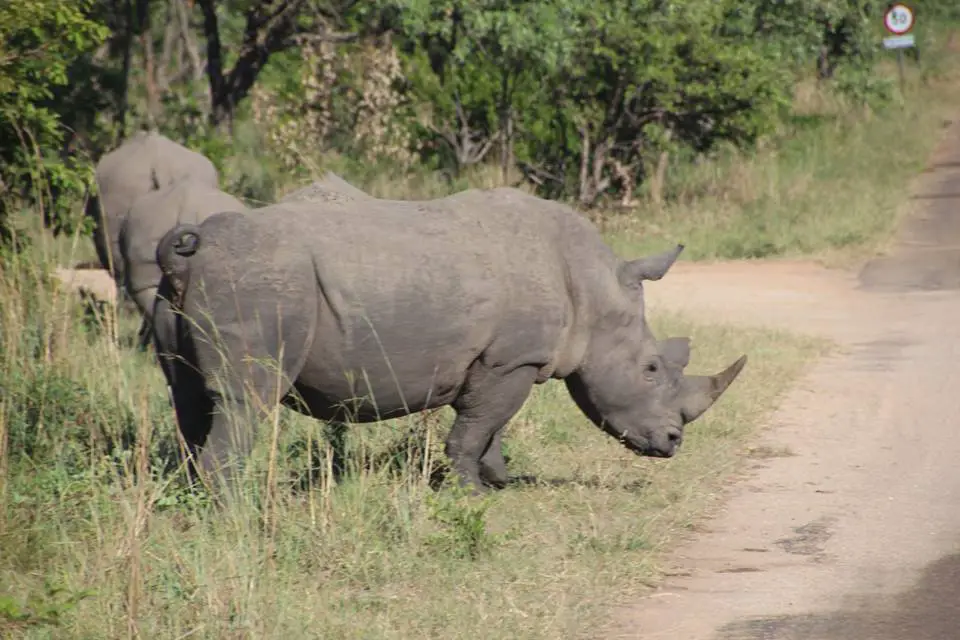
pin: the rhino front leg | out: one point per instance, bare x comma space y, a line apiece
493, 467
489, 400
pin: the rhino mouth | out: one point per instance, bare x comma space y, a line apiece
646, 447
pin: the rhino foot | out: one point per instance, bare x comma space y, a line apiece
493, 466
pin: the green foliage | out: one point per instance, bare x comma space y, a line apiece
584, 98
463, 520
583, 95
799, 30
46, 609
864, 87
935, 10
646, 73
39, 42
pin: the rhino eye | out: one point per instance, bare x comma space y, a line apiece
652, 367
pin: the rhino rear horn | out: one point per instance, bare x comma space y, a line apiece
675, 351
649, 267
700, 392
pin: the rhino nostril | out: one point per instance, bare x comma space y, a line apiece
674, 436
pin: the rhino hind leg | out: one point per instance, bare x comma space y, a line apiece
191, 404
488, 401
95, 212
250, 347
193, 407
144, 334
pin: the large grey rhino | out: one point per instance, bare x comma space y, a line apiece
142, 163
190, 201
377, 309
150, 217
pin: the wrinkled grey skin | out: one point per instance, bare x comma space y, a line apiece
330, 188
151, 216
143, 163
385, 308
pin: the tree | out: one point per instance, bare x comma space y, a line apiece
644, 77
39, 42
271, 26
477, 64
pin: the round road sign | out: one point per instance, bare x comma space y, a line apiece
898, 19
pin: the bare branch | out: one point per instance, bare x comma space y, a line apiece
537, 174
325, 37
188, 39
451, 138
476, 156
585, 196
166, 54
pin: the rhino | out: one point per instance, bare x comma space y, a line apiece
189, 201
375, 309
330, 188
145, 162
152, 215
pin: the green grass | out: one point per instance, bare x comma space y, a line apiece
380, 555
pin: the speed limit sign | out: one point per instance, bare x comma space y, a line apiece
898, 19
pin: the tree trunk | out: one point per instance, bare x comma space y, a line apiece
211, 29
506, 128
659, 177
187, 38
506, 146
129, 22
149, 65
166, 53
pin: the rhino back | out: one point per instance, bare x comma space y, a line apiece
143, 163
330, 188
174, 162
122, 176
151, 216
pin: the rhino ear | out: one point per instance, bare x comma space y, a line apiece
675, 352
647, 268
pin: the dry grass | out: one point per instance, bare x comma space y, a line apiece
86, 505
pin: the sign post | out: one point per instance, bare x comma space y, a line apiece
898, 20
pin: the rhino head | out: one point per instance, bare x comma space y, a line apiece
632, 385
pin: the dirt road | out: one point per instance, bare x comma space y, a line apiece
854, 533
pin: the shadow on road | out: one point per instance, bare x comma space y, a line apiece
928, 611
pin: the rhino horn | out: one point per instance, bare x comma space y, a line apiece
700, 392
649, 267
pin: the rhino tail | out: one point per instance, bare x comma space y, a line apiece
174, 251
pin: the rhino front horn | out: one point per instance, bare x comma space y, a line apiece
700, 392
